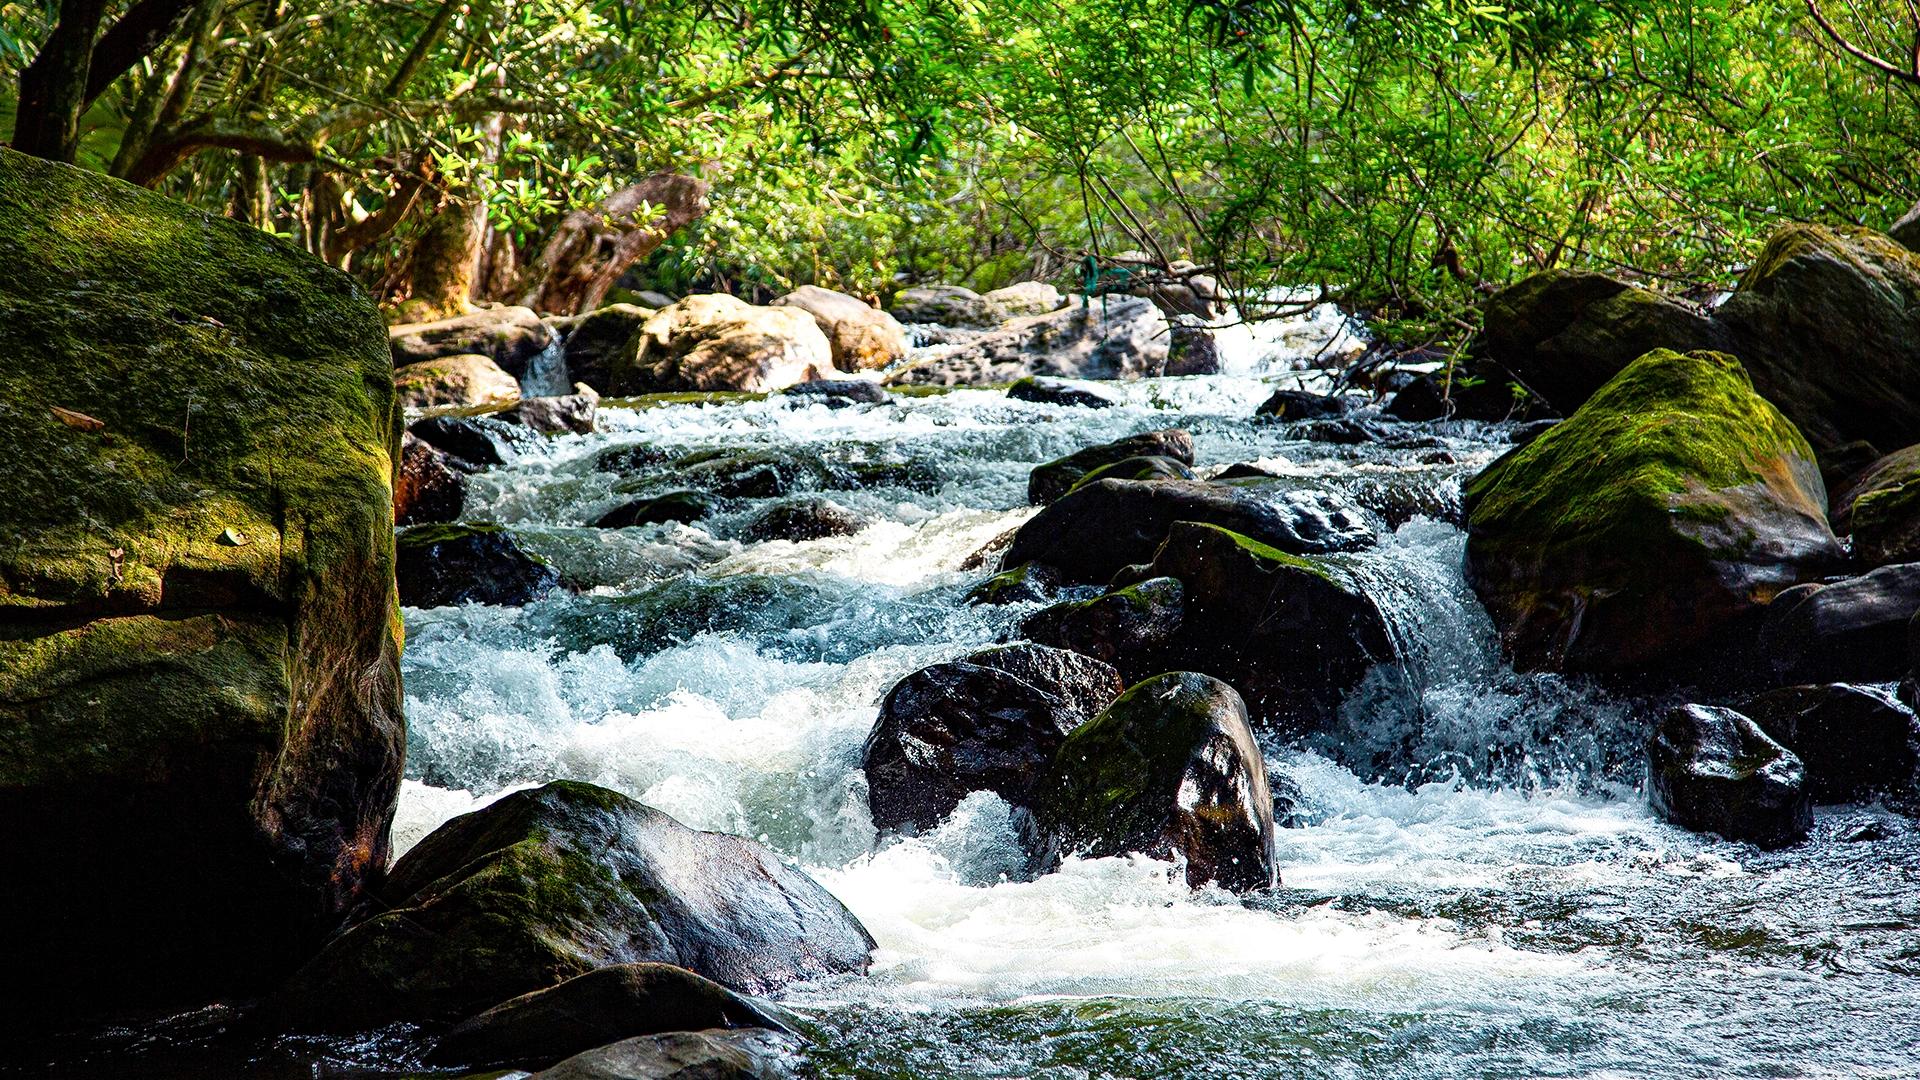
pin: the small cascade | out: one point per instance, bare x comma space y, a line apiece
546, 374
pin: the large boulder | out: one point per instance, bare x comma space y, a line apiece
200, 711
509, 336
1026, 298
1852, 630
1856, 741
1055, 478
1119, 337
718, 342
1714, 770
687, 1055
591, 341
468, 564
603, 1006
1880, 508
1091, 533
466, 379
427, 488
862, 337
988, 722
1674, 504
1171, 770
1135, 628
556, 881
947, 305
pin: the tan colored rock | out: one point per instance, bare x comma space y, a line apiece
947, 305
510, 336
471, 379
863, 338
1026, 298
717, 342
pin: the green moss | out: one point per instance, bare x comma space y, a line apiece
427, 535
1146, 467
643, 402
1108, 770
1265, 553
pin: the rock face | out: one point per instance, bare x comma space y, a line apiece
1714, 770
1854, 630
593, 339
1091, 533
426, 486
1170, 769
1856, 741
1055, 478
862, 338
989, 722
468, 379
1881, 509
556, 881
603, 1006
1675, 503
719, 342
1121, 337
468, 564
1047, 391
947, 305
200, 714
687, 1055
1827, 321
509, 336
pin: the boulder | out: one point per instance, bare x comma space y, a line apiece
1146, 467
1055, 478
805, 519
466, 379
552, 882
1026, 298
468, 564
1043, 390
838, 393
988, 722
200, 707
470, 442
426, 486
1880, 508
1673, 505
563, 414
1135, 627
509, 336
1475, 393
1021, 585
1192, 350
861, 337
1853, 630
1856, 741
947, 305
717, 342
1302, 405
687, 1055
1090, 534
1121, 337
681, 506
1171, 770
591, 341
603, 1006
1714, 770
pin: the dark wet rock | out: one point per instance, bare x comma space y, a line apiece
988, 722
1293, 634
1093, 532
805, 519
1651, 524
1118, 337
426, 486
1473, 394
1302, 405
767, 474
681, 506
1856, 741
1192, 351
592, 340
603, 1006
687, 1055
1854, 630
631, 460
1133, 627
1024, 584
556, 881
200, 703
1714, 770
1337, 432
476, 441
468, 564
563, 414
1146, 467
509, 336
1396, 497
839, 393
1055, 478
1170, 769
1880, 507
1048, 391
1522, 434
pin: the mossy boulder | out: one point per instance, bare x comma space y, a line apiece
1024, 584
1147, 467
1672, 506
804, 519
551, 883
469, 379
1880, 509
591, 340
1713, 770
477, 563
200, 725
1134, 627
1055, 478
1171, 770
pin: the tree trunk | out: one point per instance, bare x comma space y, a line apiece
591, 248
444, 259
53, 88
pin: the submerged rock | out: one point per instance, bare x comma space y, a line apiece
200, 707
687, 1055
861, 337
1170, 769
719, 342
1090, 534
1854, 630
1881, 509
1073, 392
681, 506
509, 336
806, 519
1714, 770
1121, 337
553, 882
426, 486
1856, 741
989, 722
468, 564
604, 1005
1135, 627
468, 379
1673, 506
592, 340
1055, 478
